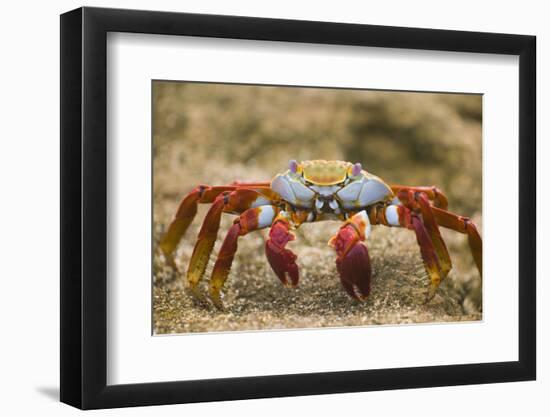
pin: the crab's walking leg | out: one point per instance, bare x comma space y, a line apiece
463, 225
252, 219
419, 201
282, 260
184, 216
205, 243
401, 216
433, 193
234, 202
429, 256
353, 262
186, 213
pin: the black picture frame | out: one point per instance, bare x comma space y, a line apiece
84, 207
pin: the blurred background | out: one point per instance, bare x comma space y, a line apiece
216, 133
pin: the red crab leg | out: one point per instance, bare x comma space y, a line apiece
234, 202
411, 220
463, 225
282, 260
186, 213
401, 216
434, 194
419, 201
428, 252
252, 219
353, 262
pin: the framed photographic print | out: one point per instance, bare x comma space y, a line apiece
258, 207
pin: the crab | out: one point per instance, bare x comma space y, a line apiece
312, 191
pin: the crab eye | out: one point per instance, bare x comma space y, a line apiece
293, 166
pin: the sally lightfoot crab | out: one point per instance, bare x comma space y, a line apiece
313, 191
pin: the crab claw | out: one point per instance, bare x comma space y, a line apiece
282, 260
353, 262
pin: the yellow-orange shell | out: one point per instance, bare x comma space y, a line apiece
321, 172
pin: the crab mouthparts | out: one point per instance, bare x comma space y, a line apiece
326, 204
